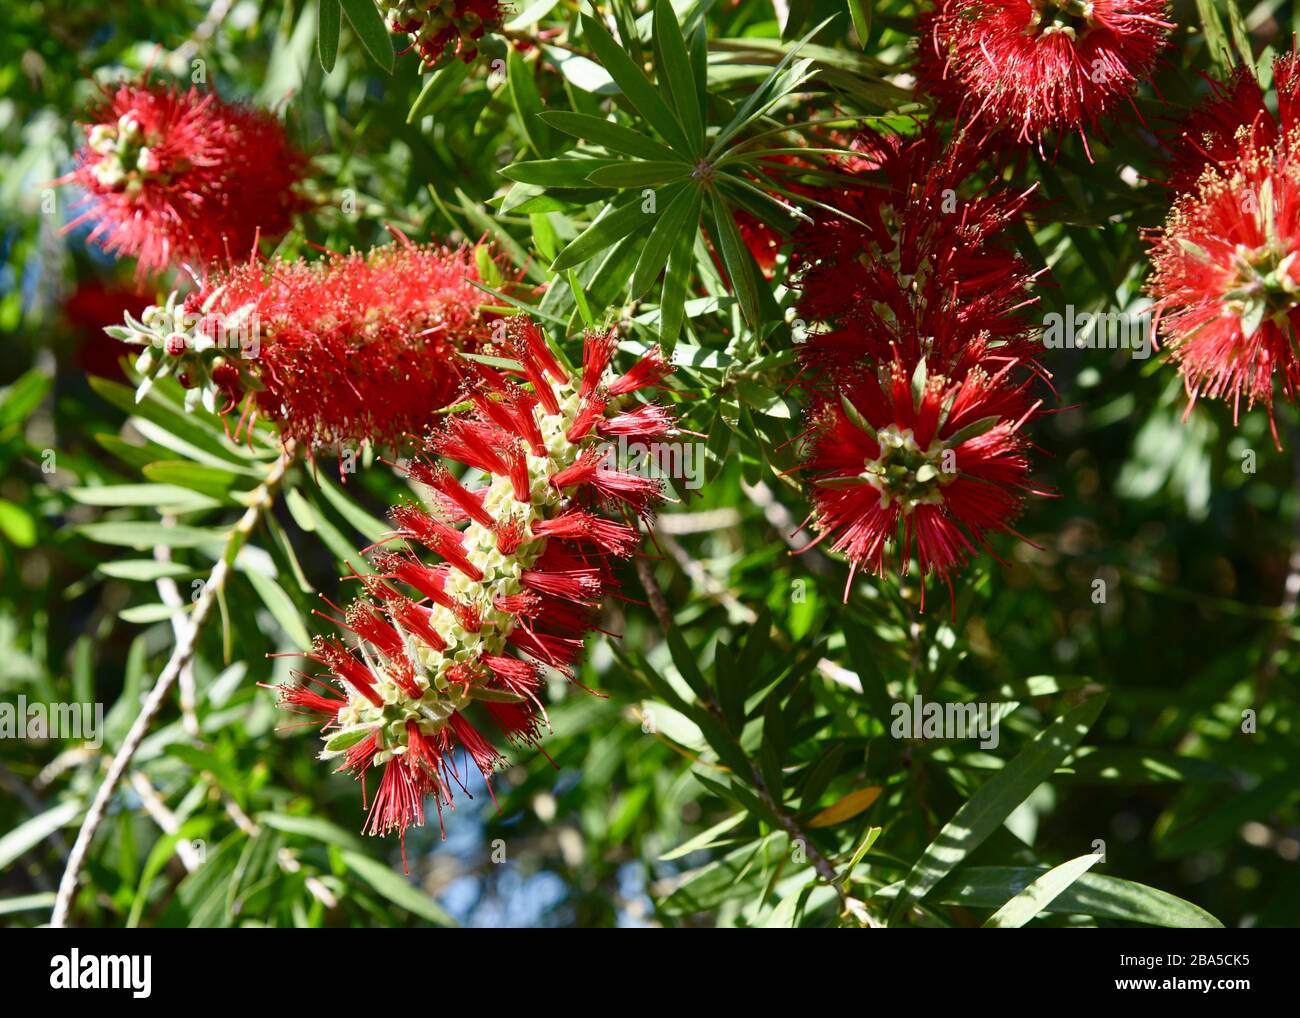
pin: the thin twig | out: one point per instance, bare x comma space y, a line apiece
182, 654
166, 820
703, 579
820, 864
171, 597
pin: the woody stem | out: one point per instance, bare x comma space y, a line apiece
181, 657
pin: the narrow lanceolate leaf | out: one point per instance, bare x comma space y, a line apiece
631, 80
556, 172
327, 34
133, 534
860, 12
639, 174
440, 88
1092, 894
987, 808
610, 135
142, 494
281, 607
369, 27
672, 301
144, 570
609, 229
1216, 38
737, 260
1240, 37
32, 832
1041, 893
396, 888
211, 481
526, 101
681, 216
679, 76
773, 86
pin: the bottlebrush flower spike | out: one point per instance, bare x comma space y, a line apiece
1032, 66
1226, 277
1211, 135
515, 589
916, 264
347, 349
175, 176
911, 460
436, 27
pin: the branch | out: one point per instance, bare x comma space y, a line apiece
823, 868
182, 655
171, 597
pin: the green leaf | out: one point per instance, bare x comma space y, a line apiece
638, 174
369, 27
610, 135
17, 524
984, 812
142, 494
530, 14
680, 217
610, 228
1092, 894
1128, 765
17, 401
396, 888
327, 36
672, 300
679, 76
190, 435
144, 570
737, 260
527, 101
1216, 39
773, 87
1229, 814
315, 828
860, 12
367, 526
556, 172
705, 839
440, 87
148, 614
1240, 37
33, 831
638, 89
687, 665
281, 607
42, 902
211, 481
1041, 893
145, 535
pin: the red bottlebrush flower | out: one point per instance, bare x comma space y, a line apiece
1210, 135
1030, 66
436, 27
915, 461
175, 176
1227, 277
349, 349
516, 589
912, 266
